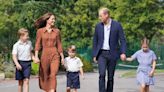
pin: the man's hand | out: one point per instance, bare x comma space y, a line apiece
123, 57
94, 59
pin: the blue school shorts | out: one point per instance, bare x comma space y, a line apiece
25, 72
73, 80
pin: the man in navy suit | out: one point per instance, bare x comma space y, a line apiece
108, 44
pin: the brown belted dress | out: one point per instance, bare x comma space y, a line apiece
51, 46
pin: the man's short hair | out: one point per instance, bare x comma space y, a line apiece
105, 10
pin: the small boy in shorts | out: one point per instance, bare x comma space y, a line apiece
73, 65
22, 57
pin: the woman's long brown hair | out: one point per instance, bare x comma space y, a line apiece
42, 21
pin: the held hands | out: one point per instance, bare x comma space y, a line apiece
123, 57
36, 60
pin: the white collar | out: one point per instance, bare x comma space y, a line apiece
109, 22
21, 42
72, 58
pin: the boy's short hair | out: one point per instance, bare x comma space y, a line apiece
22, 32
72, 48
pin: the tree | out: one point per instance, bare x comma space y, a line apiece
139, 17
77, 19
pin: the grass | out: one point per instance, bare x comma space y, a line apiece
129, 73
132, 73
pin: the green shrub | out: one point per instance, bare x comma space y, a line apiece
9, 69
1, 63
35, 69
87, 65
9, 75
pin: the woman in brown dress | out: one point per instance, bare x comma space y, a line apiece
48, 39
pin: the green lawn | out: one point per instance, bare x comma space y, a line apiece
132, 73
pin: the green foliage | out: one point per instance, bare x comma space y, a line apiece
139, 17
1, 63
77, 19
9, 75
87, 66
35, 69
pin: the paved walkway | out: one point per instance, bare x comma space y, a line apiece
90, 84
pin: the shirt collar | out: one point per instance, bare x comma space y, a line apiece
72, 58
45, 30
109, 22
145, 52
21, 42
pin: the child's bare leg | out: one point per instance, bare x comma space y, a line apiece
74, 90
143, 88
26, 85
68, 89
20, 86
147, 88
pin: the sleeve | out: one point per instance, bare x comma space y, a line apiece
31, 47
154, 56
15, 49
80, 63
134, 56
59, 44
38, 40
65, 63
122, 39
94, 43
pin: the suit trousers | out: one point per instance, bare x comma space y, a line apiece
105, 62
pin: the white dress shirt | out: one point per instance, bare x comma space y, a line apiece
22, 50
73, 64
106, 36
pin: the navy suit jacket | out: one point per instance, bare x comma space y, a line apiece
117, 41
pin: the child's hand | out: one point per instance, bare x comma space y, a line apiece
82, 76
34, 60
151, 74
19, 67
